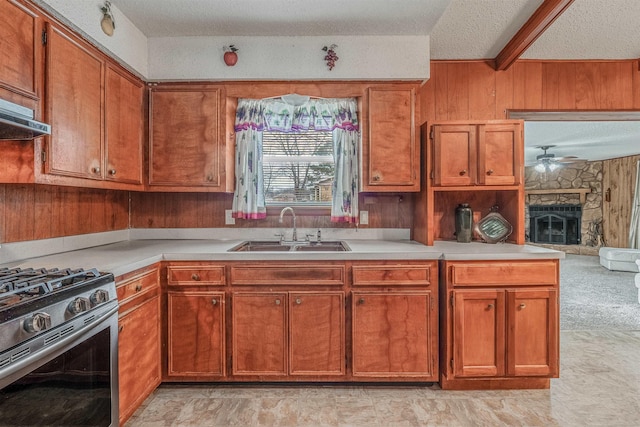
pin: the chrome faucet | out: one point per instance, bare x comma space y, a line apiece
295, 232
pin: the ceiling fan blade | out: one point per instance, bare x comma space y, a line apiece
569, 159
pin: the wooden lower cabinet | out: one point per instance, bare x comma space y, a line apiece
501, 330
196, 334
139, 338
288, 333
392, 334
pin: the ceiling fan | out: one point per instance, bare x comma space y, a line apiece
548, 162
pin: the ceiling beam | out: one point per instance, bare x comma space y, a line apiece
548, 11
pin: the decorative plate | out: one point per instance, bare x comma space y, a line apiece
493, 228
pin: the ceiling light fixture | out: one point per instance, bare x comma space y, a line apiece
546, 165
107, 23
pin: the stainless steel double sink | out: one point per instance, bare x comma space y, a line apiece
276, 246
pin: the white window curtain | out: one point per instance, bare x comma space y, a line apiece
634, 229
337, 115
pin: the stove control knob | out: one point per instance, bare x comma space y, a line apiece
99, 296
79, 305
36, 323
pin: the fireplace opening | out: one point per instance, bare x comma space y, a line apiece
555, 224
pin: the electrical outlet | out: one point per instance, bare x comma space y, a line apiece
228, 217
364, 217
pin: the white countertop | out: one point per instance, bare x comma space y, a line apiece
125, 256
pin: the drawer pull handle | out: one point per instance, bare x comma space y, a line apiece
463, 172
120, 328
277, 302
138, 288
214, 301
523, 305
490, 307
490, 172
195, 277
298, 301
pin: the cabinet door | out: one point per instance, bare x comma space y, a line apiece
500, 151
393, 154
20, 44
196, 334
454, 155
138, 355
478, 333
74, 107
316, 330
392, 334
124, 130
259, 333
532, 320
185, 146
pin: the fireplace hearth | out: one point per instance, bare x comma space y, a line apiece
555, 224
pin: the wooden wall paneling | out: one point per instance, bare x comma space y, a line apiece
43, 212
458, 91
587, 86
619, 176
426, 99
17, 162
440, 76
527, 88
504, 92
635, 71
616, 85
567, 86
482, 91
99, 216
550, 85
19, 213
147, 210
119, 201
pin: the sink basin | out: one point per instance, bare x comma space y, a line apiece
275, 246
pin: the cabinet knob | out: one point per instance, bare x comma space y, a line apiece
138, 288
112, 172
214, 301
523, 305
96, 169
361, 301
490, 172
298, 301
463, 172
209, 178
376, 177
277, 302
195, 277
490, 307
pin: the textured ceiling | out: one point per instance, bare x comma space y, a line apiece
171, 18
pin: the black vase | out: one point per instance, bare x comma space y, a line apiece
464, 223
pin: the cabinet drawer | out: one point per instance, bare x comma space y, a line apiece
137, 286
287, 274
507, 273
392, 275
200, 275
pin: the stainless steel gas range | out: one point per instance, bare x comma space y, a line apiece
58, 347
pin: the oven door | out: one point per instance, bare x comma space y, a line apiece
72, 383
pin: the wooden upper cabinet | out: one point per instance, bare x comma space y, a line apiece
74, 106
477, 154
20, 47
124, 127
186, 148
391, 157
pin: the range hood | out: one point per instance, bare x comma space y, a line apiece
16, 123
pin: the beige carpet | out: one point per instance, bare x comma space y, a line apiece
594, 298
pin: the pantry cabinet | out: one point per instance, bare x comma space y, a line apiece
186, 149
477, 154
392, 154
139, 339
500, 323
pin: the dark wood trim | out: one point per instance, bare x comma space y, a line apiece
541, 19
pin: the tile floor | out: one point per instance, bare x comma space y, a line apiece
599, 385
